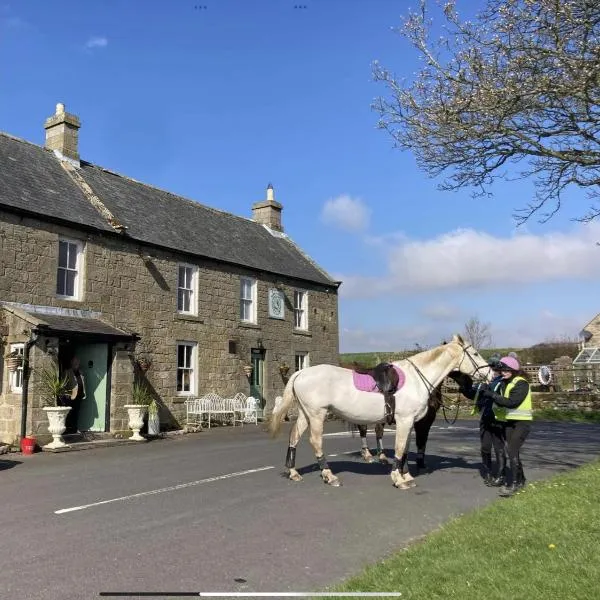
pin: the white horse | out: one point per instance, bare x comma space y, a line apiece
324, 388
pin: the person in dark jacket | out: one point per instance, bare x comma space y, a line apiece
512, 405
491, 431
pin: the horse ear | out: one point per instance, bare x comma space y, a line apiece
458, 338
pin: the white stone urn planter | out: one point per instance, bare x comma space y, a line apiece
57, 417
136, 414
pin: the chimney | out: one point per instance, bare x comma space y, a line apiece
268, 212
62, 133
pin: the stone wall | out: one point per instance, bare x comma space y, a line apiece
135, 288
567, 401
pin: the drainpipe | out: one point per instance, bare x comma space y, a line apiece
25, 393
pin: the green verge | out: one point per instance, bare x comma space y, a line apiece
542, 543
572, 416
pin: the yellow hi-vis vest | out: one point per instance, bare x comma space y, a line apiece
523, 412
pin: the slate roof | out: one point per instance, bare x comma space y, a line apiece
32, 179
62, 324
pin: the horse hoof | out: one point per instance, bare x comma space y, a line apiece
366, 456
402, 485
295, 476
383, 459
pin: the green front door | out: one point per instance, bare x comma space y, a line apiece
256, 380
93, 365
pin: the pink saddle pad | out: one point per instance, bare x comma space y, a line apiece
365, 383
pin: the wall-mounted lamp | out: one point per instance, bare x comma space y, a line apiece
284, 369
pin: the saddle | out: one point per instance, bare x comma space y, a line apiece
387, 380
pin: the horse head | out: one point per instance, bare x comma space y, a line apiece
469, 361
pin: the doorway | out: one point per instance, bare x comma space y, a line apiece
257, 360
93, 360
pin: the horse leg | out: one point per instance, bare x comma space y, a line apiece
379, 435
297, 430
422, 429
403, 428
364, 451
316, 441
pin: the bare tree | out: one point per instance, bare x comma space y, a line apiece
478, 334
519, 85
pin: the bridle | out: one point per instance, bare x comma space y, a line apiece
431, 388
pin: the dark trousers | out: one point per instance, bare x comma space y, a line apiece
516, 433
73, 414
491, 434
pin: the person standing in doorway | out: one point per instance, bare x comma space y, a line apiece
77, 385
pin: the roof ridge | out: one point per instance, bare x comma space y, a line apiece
24, 141
127, 177
195, 203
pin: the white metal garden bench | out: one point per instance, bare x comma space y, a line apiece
238, 409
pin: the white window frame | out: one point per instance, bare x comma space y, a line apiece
304, 361
78, 269
252, 300
193, 289
301, 312
15, 380
192, 368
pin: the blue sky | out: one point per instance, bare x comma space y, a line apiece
215, 103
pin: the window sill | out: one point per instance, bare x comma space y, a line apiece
248, 325
189, 317
304, 332
68, 298
181, 398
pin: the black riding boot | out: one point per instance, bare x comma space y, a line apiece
511, 480
500, 478
521, 482
486, 461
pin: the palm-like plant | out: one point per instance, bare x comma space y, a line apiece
54, 385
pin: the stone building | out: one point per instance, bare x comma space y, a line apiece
589, 340
122, 274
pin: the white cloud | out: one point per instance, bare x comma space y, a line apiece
97, 42
440, 312
473, 260
347, 213
388, 339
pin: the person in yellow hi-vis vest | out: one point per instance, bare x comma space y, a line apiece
512, 406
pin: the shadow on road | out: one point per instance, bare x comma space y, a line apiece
9, 464
434, 463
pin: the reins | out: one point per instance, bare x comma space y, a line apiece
431, 388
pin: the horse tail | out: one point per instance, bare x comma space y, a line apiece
289, 396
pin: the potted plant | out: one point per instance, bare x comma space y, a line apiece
153, 418
55, 385
284, 369
248, 370
140, 400
13, 360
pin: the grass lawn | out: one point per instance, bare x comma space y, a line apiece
543, 543
573, 416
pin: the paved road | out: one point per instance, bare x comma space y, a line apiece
254, 531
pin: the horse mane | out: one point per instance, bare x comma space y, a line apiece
428, 355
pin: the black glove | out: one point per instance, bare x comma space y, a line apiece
465, 382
